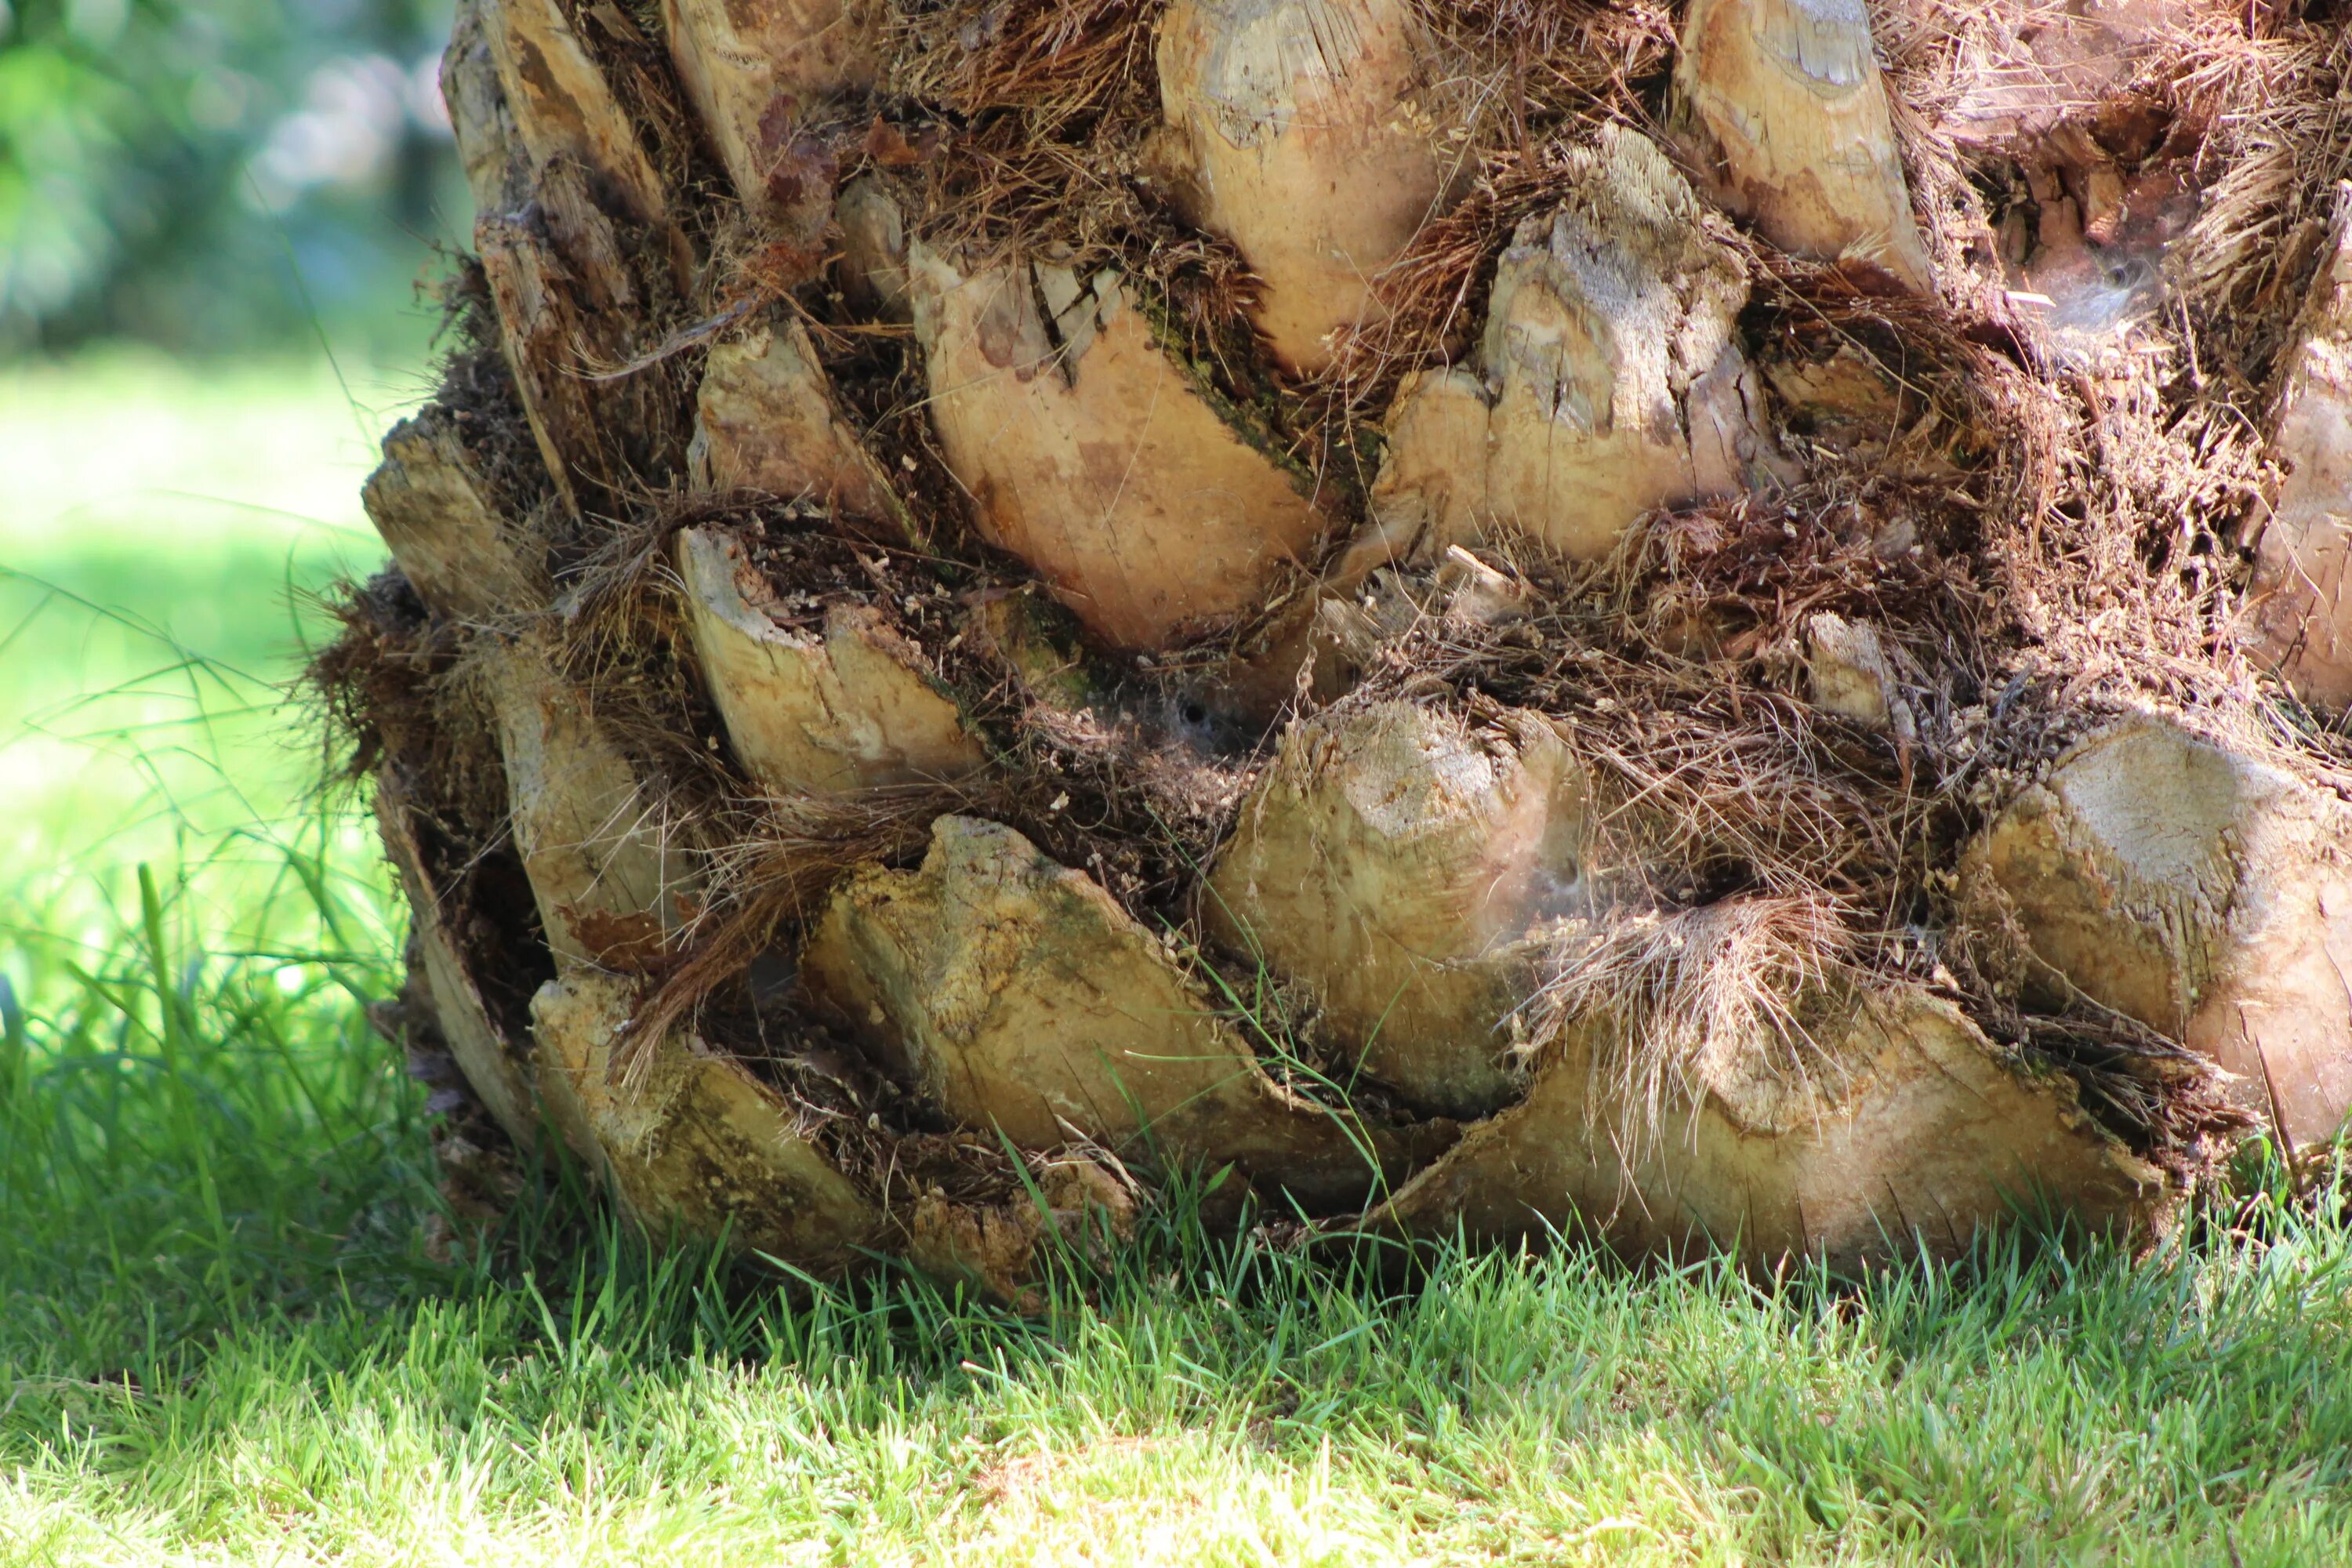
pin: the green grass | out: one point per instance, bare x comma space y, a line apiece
160, 527
228, 1332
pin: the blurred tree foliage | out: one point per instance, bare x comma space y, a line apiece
210, 174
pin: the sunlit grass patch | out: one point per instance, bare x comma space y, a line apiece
164, 527
1230, 1403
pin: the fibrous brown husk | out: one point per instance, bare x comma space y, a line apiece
1057, 721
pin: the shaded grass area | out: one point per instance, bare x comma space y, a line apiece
230, 1329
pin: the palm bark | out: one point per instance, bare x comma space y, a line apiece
1716, 627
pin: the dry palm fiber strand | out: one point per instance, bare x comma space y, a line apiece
2027, 510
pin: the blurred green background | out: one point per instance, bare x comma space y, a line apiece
220, 176
219, 224
218, 230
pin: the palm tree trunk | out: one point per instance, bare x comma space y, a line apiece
1719, 628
